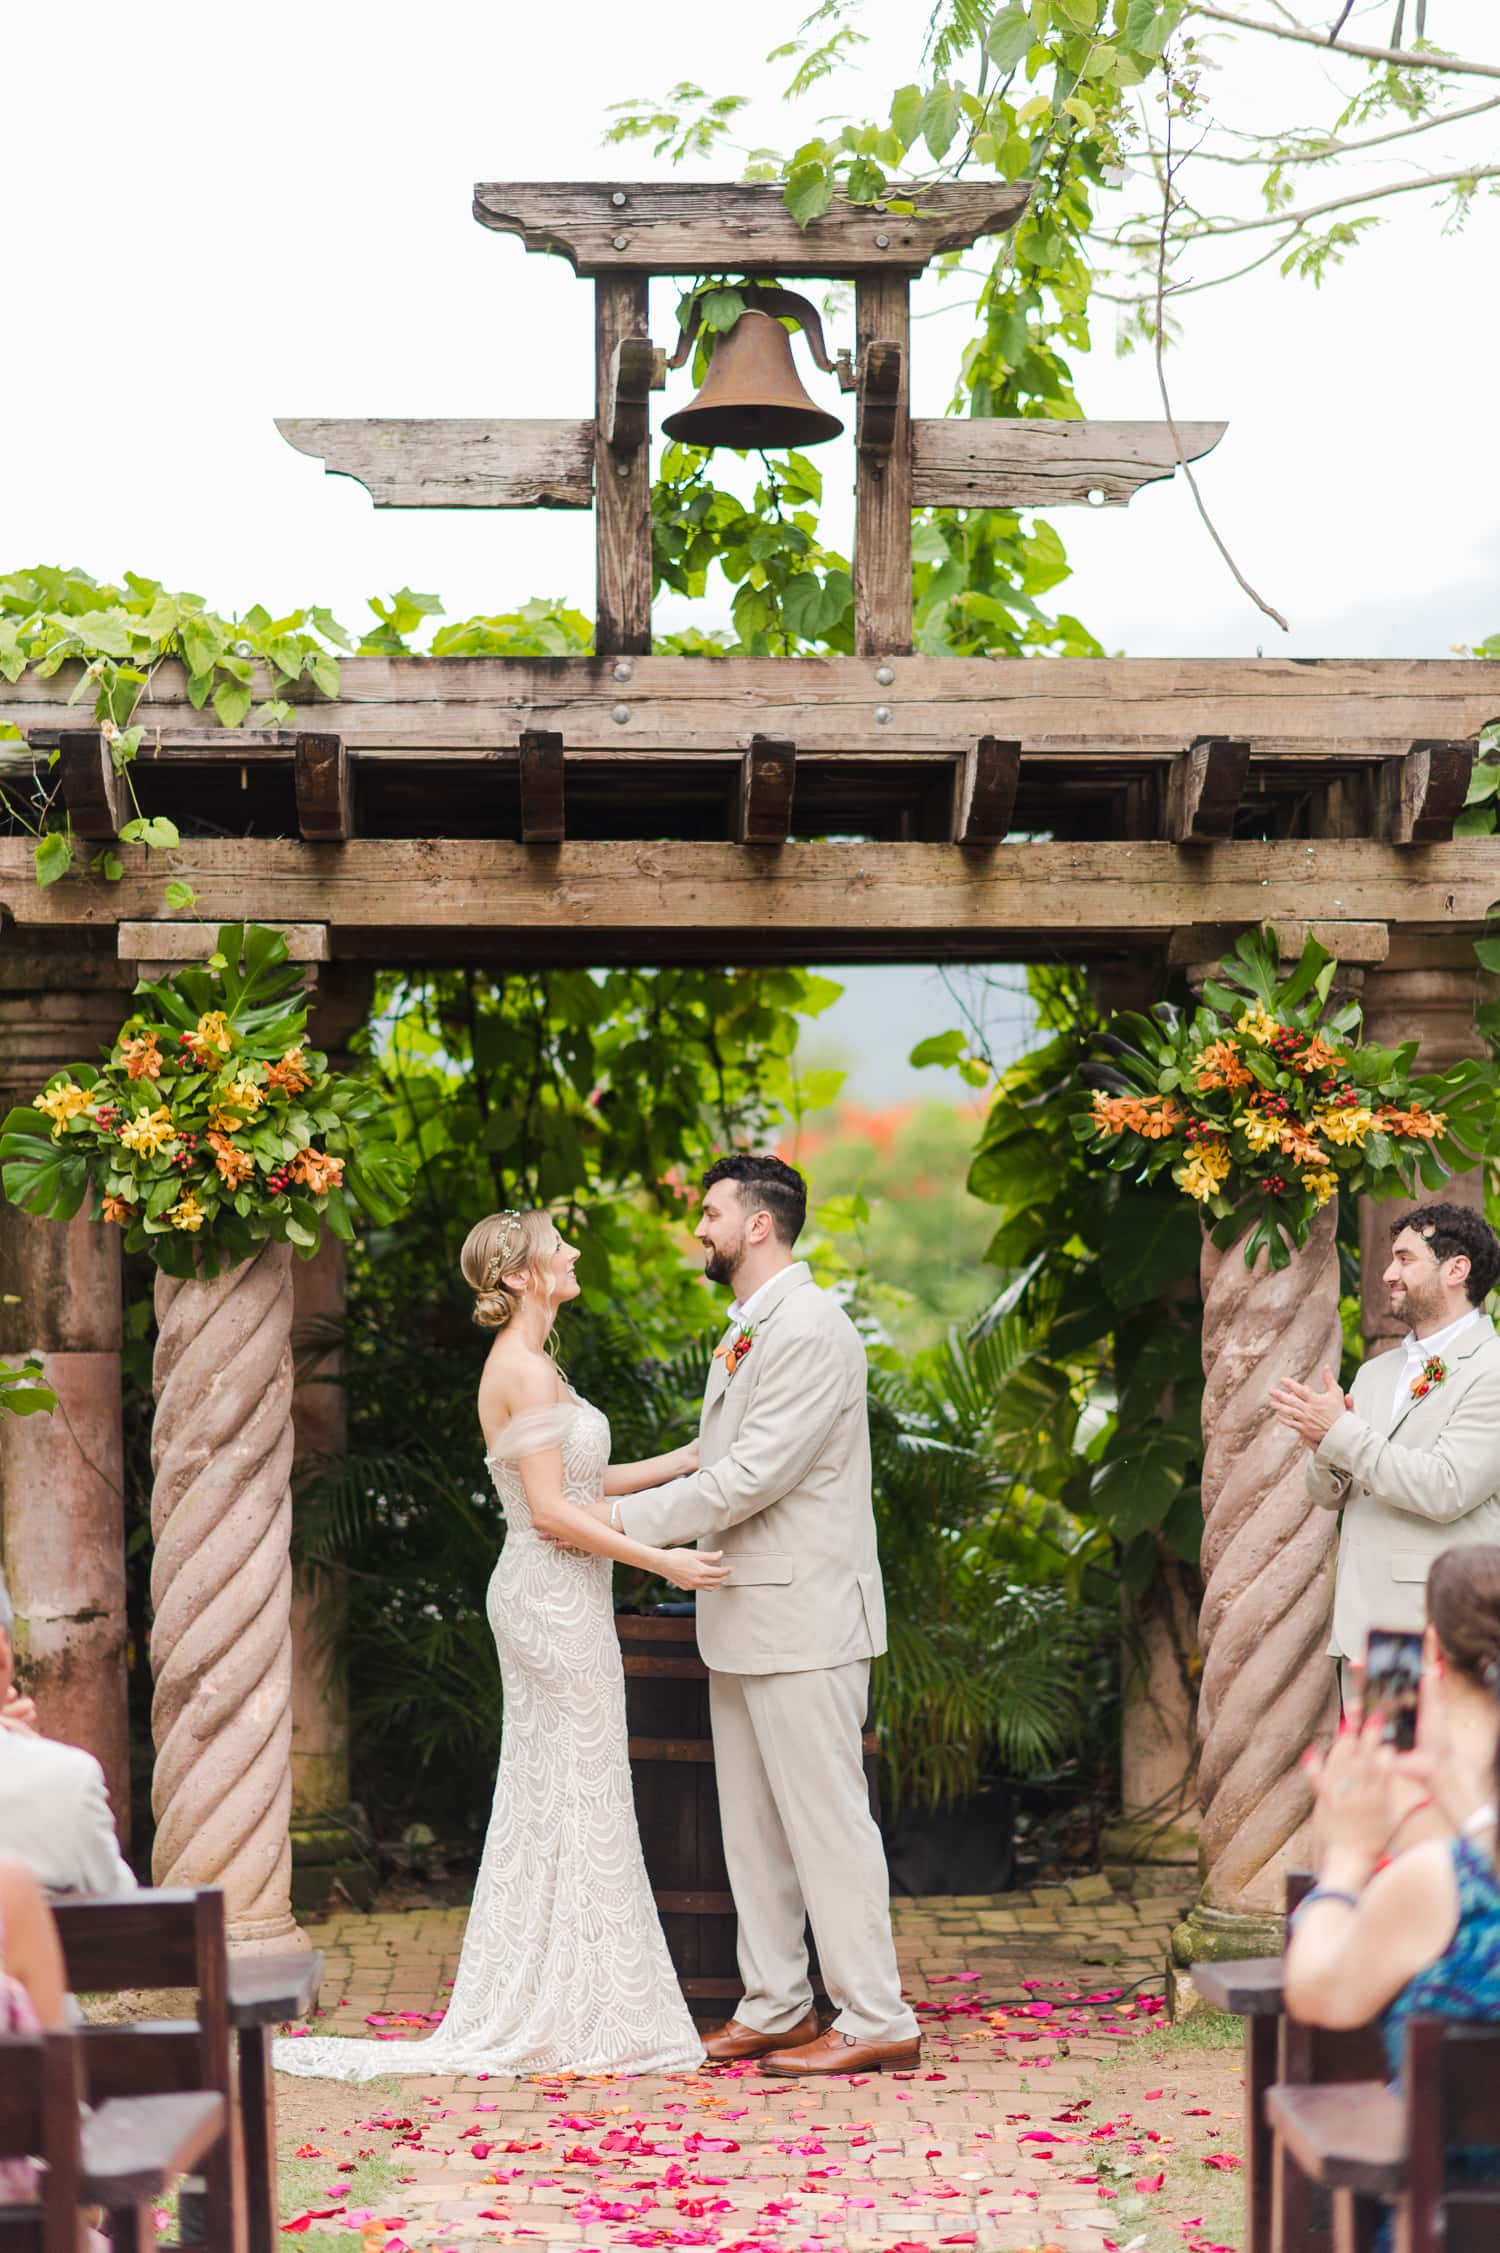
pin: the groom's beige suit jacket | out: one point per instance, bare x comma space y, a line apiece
1412, 1477
783, 1488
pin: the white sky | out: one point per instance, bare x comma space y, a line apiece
222, 216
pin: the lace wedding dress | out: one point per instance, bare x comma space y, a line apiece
564, 1967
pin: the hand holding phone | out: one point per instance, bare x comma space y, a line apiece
1393, 1675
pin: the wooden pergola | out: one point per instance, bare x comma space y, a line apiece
626, 807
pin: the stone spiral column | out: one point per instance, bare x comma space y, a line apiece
1268, 1559
221, 1587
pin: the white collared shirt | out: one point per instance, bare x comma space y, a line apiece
745, 1315
1419, 1351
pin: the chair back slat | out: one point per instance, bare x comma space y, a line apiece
41, 2101
130, 1940
148, 2058
1471, 2086
20, 2096
1451, 2073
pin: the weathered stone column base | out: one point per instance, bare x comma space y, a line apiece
266, 1936
1141, 1839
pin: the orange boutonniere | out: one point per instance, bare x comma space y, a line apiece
1434, 1370
733, 1351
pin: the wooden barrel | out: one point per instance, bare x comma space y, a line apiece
677, 1805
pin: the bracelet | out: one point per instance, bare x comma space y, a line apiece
1322, 1893
614, 1516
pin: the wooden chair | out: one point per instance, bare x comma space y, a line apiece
1285, 2212
259, 1993
163, 1939
1368, 2146
123, 2157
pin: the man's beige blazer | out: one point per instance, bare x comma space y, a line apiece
783, 1488
1412, 1477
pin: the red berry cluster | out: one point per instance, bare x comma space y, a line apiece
1338, 1092
1274, 1106
182, 1158
107, 1118
1288, 1045
1199, 1130
1273, 1183
279, 1179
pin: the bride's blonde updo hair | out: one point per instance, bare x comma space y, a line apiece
506, 1244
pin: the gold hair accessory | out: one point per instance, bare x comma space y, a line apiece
505, 1250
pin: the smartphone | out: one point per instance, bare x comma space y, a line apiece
1393, 1671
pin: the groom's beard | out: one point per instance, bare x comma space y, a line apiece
720, 1268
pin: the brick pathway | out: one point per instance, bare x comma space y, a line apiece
1029, 2122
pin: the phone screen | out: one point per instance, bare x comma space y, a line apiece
1393, 1670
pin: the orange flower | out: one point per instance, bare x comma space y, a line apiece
117, 1210
1316, 1057
1153, 1116
1426, 1126
141, 1057
1305, 1148
291, 1075
233, 1166
317, 1171
1219, 1066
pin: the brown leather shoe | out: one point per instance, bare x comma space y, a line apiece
730, 2043
842, 2053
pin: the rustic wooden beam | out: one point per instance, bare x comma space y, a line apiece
972, 461
1204, 788
640, 901
325, 798
543, 813
1422, 795
457, 463
768, 774
882, 479
1351, 942
93, 791
622, 503
676, 227
984, 791
1335, 711
880, 383
637, 369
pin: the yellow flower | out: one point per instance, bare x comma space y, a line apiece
187, 1212
1322, 1182
213, 1031
1258, 1026
1201, 1174
1346, 1123
1260, 1132
240, 1101
149, 1131
63, 1103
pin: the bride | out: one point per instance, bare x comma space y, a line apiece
564, 1967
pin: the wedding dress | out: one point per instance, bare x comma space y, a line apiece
564, 1967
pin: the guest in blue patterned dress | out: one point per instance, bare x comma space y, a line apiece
1383, 1938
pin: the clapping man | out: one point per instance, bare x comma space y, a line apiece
1412, 1455
54, 1809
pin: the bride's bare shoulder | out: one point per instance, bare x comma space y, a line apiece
516, 1378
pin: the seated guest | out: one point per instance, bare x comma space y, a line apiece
54, 1809
31, 1984
1412, 1455
1422, 1933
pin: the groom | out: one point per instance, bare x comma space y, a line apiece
783, 1488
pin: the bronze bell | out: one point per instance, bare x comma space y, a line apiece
752, 396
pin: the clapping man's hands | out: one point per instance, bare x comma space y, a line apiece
1311, 1415
18, 1714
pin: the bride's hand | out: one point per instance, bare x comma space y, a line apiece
693, 1568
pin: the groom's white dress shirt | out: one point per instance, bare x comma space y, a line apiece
54, 1814
1412, 1476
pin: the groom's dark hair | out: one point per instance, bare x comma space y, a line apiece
1454, 1232
766, 1185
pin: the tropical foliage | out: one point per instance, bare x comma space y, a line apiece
212, 1128
1261, 1107
24, 1390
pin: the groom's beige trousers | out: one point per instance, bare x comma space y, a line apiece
802, 1847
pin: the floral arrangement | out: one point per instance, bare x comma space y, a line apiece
733, 1351
1263, 1108
1434, 1370
211, 1127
